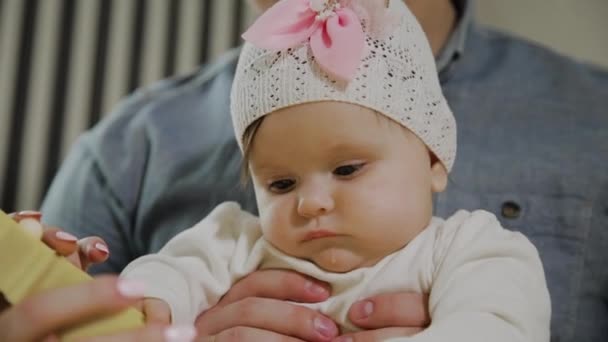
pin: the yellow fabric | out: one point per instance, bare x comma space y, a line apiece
28, 266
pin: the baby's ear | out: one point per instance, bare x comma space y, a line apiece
439, 176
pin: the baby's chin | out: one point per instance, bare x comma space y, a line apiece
340, 260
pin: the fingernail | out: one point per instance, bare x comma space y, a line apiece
66, 236
131, 288
30, 213
315, 289
343, 339
180, 333
363, 309
103, 248
325, 327
32, 226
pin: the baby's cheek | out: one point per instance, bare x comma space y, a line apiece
275, 228
391, 233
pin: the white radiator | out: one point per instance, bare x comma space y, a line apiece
65, 63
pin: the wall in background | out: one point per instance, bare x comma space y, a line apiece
64, 64
578, 28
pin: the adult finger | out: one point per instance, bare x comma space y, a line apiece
239, 334
26, 214
152, 333
48, 312
269, 314
277, 284
62, 242
92, 250
400, 309
29, 221
82, 253
378, 334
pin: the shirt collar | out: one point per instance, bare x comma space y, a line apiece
454, 47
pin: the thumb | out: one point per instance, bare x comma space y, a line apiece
156, 311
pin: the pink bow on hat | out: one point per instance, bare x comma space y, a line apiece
333, 28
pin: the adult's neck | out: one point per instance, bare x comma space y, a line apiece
437, 18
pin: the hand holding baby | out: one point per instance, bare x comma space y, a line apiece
44, 315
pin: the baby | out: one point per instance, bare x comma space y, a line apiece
346, 136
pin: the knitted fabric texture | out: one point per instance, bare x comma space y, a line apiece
397, 78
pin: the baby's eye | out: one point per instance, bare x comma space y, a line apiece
347, 170
282, 185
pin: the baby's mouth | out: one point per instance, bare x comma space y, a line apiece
319, 234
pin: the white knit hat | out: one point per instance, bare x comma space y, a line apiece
396, 77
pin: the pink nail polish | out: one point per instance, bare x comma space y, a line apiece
177, 333
368, 308
101, 247
66, 236
131, 288
32, 226
364, 309
325, 327
315, 289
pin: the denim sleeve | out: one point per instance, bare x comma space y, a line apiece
82, 201
592, 309
155, 166
96, 190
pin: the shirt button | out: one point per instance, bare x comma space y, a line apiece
510, 210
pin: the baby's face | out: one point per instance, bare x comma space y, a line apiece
339, 185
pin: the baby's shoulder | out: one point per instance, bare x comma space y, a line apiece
231, 208
464, 221
468, 228
228, 217
470, 221
476, 232
230, 212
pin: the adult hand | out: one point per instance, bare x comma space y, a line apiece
82, 253
40, 316
387, 316
257, 309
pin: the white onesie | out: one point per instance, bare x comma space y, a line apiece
485, 283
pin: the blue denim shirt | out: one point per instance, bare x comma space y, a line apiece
533, 149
